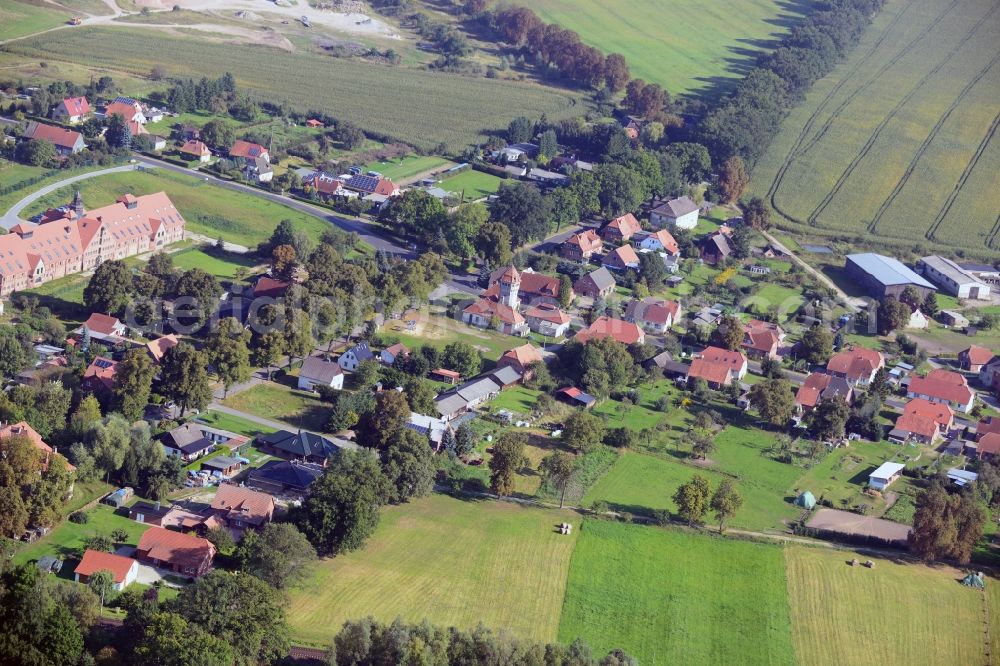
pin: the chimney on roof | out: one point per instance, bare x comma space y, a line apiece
78, 204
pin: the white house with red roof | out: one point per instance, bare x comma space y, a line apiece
71, 110
734, 360
100, 326
197, 150
624, 332
944, 387
547, 319
124, 570
857, 365
497, 307
71, 240
24, 429
715, 374
661, 241
66, 142
762, 339
532, 287
922, 421
127, 108
657, 315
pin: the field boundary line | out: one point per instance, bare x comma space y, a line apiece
794, 152
892, 113
874, 77
966, 173
911, 167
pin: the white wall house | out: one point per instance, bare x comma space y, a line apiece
355, 356
681, 213
318, 372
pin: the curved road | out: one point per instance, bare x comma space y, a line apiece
367, 232
10, 218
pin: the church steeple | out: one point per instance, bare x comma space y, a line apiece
78, 204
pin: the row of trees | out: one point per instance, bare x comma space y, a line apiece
559, 48
369, 642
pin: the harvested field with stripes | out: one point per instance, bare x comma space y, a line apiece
900, 141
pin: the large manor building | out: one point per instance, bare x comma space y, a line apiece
71, 239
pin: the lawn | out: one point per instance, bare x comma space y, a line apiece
518, 399
719, 39
233, 424
67, 539
13, 174
297, 408
473, 184
452, 562
786, 299
895, 613
673, 597
898, 145
438, 331
84, 493
221, 265
418, 106
644, 414
208, 209
409, 167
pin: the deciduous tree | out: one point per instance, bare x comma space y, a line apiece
184, 377
508, 458
774, 401
342, 509
726, 501
110, 288
692, 499
558, 468
583, 432
133, 384
279, 555
733, 179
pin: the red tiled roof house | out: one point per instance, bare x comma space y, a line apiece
944, 387
66, 142
653, 314
581, 246
186, 554
974, 358
124, 570
621, 228
624, 332
71, 110
857, 365
520, 359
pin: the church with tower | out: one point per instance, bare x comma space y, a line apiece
499, 306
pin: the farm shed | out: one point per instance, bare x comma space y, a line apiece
883, 477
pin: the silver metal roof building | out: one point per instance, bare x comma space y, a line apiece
953, 278
884, 276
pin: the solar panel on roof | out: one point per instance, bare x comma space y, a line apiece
103, 363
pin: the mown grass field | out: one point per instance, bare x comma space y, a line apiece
67, 539
475, 184
233, 424
18, 19
274, 401
420, 107
408, 167
210, 210
670, 597
684, 45
453, 562
894, 613
900, 141
221, 266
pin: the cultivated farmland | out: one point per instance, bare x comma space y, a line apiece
453, 562
686, 46
890, 614
420, 107
900, 141
669, 597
